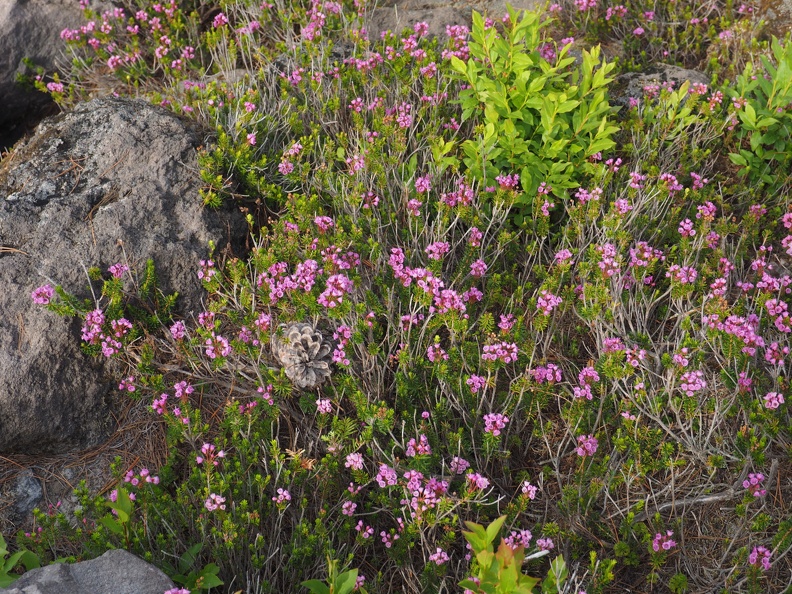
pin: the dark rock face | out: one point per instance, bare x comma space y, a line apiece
115, 180
29, 29
115, 572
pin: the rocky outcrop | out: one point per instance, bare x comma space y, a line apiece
113, 181
394, 15
632, 84
29, 29
115, 572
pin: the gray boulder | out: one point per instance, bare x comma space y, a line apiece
115, 572
632, 84
116, 180
29, 29
394, 15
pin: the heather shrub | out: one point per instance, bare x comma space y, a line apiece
394, 359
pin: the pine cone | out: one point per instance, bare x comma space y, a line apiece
304, 354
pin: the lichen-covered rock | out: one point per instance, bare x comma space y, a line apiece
115, 572
304, 354
115, 180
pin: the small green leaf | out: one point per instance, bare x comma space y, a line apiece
316, 587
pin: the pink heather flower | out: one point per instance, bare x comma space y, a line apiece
545, 544
518, 539
418, 448
562, 256
684, 275
439, 557
127, 384
436, 353
587, 445
528, 489
477, 481
773, 400
388, 539
686, 228
348, 508
324, 406
437, 250
217, 346
547, 302
458, 465
207, 270
55, 87
118, 270
506, 322
550, 373
220, 20
423, 184
286, 167
324, 223
622, 206
42, 295
475, 237
508, 182
663, 541
214, 502
478, 268
251, 138
692, 382
760, 557
476, 383
178, 330
354, 461
754, 484
494, 422
414, 207
386, 477
638, 31
282, 497
503, 351
177, 591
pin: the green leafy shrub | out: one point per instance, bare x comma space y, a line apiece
765, 131
545, 120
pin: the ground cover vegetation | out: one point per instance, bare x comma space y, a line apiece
481, 302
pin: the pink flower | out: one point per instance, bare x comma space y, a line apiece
282, 497
754, 484
324, 406
439, 557
413, 207
773, 400
251, 138
354, 461
477, 481
529, 489
494, 422
663, 541
458, 465
118, 270
42, 295
478, 268
437, 250
587, 445
214, 502
760, 557
423, 184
